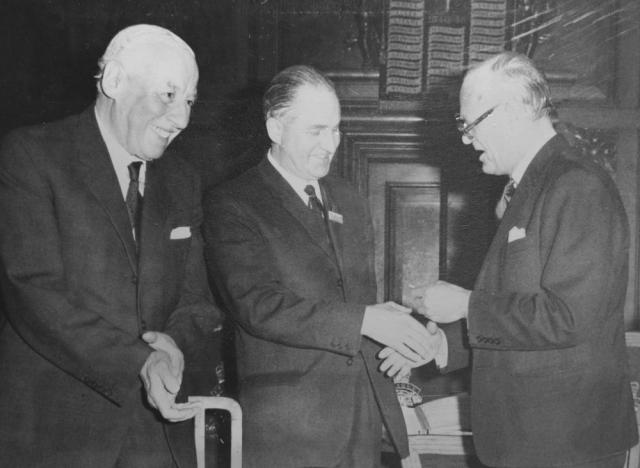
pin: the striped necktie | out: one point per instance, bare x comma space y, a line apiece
314, 202
507, 193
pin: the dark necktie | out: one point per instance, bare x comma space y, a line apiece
314, 202
134, 199
507, 193
316, 206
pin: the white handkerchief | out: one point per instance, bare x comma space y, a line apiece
181, 232
516, 233
335, 217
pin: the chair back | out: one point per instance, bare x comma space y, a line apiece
220, 403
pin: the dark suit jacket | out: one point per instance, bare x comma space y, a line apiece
298, 312
550, 383
76, 297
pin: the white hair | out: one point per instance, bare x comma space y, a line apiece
518, 74
138, 35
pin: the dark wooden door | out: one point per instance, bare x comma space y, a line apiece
431, 206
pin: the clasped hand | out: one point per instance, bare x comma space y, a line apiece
392, 325
396, 365
162, 377
444, 302
441, 302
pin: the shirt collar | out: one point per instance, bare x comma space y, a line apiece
521, 167
523, 164
296, 182
120, 159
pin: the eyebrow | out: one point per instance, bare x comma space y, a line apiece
323, 126
174, 87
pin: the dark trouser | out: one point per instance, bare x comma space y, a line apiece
365, 443
145, 445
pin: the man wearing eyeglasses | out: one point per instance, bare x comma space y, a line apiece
290, 248
544, 323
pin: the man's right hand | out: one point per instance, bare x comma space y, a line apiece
162, 376
395, 365
392, 325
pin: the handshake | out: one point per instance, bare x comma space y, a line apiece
409, 343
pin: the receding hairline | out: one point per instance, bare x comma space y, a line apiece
480, 83
301, 90
135, 37
508, 75
284, 87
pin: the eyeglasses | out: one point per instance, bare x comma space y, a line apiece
465, 128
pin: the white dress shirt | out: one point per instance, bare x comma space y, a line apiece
121, 159
297, 183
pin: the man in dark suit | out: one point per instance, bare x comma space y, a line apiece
103, 276
550, 385
291, 251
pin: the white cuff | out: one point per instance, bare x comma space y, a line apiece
442, 356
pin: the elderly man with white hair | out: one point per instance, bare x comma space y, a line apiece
544, 322
103, 282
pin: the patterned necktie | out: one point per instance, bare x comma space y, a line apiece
134, 198
314, 202
507, 193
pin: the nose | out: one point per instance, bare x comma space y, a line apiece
179, 115
329, 140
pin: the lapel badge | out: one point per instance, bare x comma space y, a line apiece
335, 217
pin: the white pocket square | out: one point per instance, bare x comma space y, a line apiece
181, 232
516, 233
335, 217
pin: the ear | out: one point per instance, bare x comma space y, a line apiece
274, 129
112, 80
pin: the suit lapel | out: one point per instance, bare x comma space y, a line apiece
309, 221
526, 192
99, 175
530, 182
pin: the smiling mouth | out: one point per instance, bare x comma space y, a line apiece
166, 134
323, 157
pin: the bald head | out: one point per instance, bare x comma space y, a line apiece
128, 46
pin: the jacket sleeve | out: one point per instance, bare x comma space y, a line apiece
458, 351
241, 264
580, 253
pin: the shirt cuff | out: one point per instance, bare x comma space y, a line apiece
442, 355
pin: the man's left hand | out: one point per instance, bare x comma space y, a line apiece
162, 377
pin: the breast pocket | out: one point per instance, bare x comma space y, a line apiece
521, 270
178, 234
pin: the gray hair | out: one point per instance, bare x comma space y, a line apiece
135, 36
529, 82
283, 87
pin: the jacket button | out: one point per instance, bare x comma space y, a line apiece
339, 283
143, 325
134, 279
349, 361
